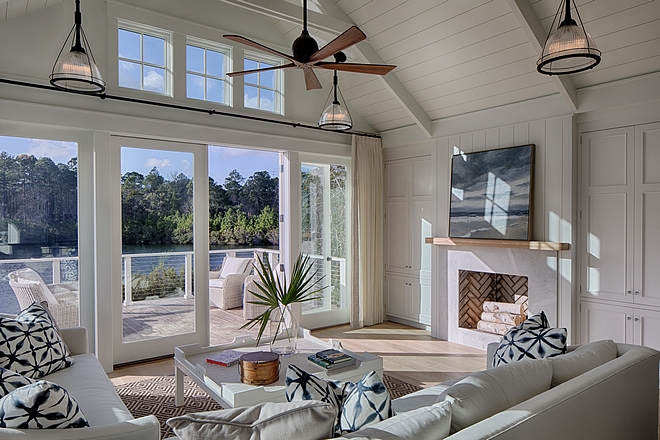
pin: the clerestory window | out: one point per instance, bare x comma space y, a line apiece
206, 68
262, 90
145, 60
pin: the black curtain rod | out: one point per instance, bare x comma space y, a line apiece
182, 107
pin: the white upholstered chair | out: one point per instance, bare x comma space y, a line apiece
226, 285
250, 310
62, 299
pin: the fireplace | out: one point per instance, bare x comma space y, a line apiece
476, 288
535, 267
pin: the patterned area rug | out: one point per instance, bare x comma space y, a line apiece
156, 396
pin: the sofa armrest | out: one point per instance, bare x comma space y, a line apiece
76, 339
144, 428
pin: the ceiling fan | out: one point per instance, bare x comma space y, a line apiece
306, 54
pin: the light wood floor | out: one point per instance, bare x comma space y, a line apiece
409, 354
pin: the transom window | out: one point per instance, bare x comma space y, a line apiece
206, 66
144, 58
262, 90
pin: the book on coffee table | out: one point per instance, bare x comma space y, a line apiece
319, 362
334, 356
225, 358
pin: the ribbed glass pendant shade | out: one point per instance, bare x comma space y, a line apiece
76, 70
569, 49
335, 116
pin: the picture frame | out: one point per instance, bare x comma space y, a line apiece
492, 194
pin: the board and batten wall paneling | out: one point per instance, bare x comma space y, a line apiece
553, 207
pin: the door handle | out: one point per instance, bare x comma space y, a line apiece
328, 259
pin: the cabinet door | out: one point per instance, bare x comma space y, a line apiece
398, 292
608, 211
422, 180
421, 227
398, 236
647, 328
421, 303
647, 215
604, 321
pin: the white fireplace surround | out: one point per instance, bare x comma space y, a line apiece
536, 265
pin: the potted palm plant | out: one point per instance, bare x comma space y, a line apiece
278, 294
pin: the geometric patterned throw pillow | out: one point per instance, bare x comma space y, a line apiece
365, 402
10, 380
42, 405
31, 345
530, 340
300, 385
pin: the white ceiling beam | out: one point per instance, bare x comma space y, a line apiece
536, 33
324, 23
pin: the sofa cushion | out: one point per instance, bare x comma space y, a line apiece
42, 405
485, 393
10, 380
426, 423
88, 383
309, 419
530, 340
365, 402
31, 345
232, 265
584, 358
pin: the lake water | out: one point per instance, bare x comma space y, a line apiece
69, 268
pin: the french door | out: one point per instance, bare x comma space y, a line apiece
325, 228
160, 251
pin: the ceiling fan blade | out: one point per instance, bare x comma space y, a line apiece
374, 69
254, 44
348, 38
311, 80
265, 69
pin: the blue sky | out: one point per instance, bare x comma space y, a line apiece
222, 160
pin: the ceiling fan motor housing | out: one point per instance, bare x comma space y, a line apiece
304, 47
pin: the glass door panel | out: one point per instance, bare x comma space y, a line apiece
325, 210
163, 250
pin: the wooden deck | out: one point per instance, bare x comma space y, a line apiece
157, 318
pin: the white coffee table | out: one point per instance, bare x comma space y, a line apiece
224, 385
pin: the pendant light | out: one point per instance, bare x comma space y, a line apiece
569, 49
76, 70
335, 117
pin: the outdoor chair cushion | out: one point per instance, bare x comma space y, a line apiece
232, 265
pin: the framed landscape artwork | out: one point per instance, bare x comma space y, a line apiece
491, 194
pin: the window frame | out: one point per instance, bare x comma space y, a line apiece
278, 91
227, 81
154, 32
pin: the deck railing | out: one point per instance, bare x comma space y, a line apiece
51, 268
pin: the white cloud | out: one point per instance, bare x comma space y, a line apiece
154, 82
158, 163
58, 151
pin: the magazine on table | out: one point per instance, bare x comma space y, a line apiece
323, 363
334, 356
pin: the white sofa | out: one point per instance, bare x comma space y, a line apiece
617, 400
90, 387
614, 397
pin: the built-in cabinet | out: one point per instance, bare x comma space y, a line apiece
408, 220
620, 235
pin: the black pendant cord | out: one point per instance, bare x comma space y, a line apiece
78, 24
304, 15
334, 82
182, 107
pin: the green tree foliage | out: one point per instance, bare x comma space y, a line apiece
40, 198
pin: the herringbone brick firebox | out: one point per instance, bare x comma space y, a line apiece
477, 287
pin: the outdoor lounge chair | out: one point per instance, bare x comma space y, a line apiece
62, 299
226, 285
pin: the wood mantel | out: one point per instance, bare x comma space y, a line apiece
516, 244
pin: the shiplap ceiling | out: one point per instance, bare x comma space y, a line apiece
456, 56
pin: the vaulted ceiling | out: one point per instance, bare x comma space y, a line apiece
455, 56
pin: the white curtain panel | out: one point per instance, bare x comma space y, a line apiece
367, 229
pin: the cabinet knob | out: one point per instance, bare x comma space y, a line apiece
629, 292
637, 292
628, 318
636, 319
